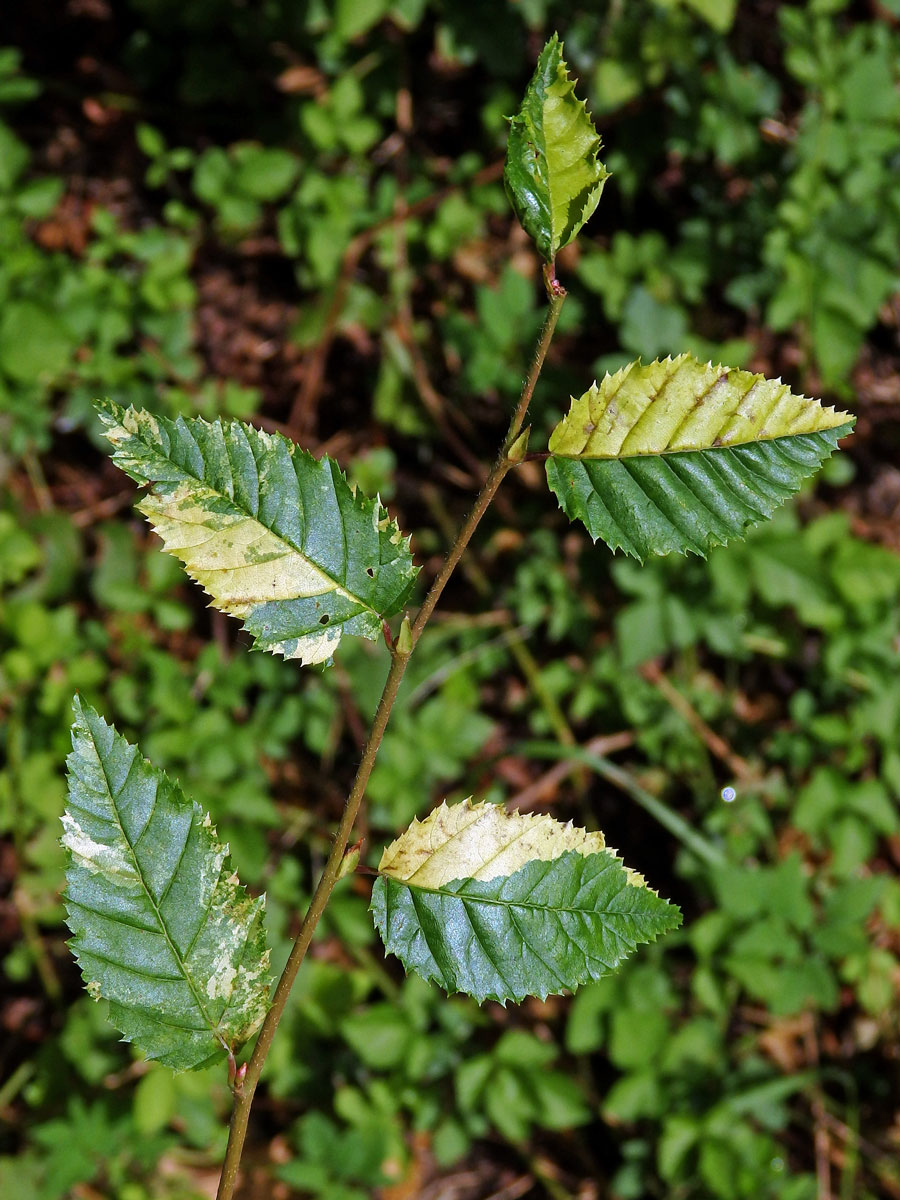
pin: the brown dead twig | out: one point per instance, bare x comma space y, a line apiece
881, 1164
716, 744
539, 791
103, 509
519, 1187
821, 1141
517, 644
435, 404
404, 323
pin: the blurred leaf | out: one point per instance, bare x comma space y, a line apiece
35, 345
380, 1035
14, 157
717, 13
265, 173
353, 17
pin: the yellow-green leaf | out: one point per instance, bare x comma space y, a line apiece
504, 905
553, 174
678, 455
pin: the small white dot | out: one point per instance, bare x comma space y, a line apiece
729, 795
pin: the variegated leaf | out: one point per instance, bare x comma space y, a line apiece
506, 905
679, 455
161, 926
275, 536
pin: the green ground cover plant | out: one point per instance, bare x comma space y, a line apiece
671, 456
747, 699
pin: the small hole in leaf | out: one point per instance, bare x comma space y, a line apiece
324, 620
370, 572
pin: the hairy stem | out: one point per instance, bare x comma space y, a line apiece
556, 294
400, 652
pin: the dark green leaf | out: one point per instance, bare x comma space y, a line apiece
161, 927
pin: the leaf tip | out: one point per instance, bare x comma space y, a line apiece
553, 43
84, 720
103, 406
111, 415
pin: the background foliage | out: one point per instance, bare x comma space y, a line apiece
293, 212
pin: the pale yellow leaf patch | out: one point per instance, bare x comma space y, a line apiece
681, 404
483, 841
311, 649
130, 426
234, 557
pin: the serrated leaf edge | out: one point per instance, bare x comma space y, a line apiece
449, 892
472, 827
829, 416
80, 849
538, 87
125, 423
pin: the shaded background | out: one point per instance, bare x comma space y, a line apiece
291, 212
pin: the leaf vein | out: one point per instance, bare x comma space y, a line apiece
240, 510
484, 949
85, 952
117, 918
174, 872
537, 955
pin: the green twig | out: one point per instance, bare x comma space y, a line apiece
457, 662
515, 638
550, 1183
14, 1084
31, 935
38, 481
